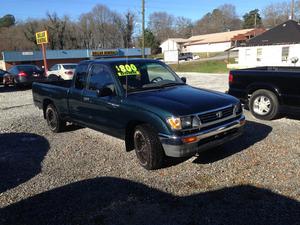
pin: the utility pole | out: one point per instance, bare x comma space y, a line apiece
143, 28
292, 10
255, 19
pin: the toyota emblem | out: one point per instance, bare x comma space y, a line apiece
219, 114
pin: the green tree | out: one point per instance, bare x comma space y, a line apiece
7, 21
252, 19
150, 42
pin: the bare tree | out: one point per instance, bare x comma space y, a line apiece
275, 14
161, 24
128, 29
183, 27
223, 18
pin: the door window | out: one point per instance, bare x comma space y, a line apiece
100, 77
80, 76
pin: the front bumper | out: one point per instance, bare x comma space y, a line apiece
206, 139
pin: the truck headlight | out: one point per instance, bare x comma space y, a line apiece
188, 122
238, 109
175, 123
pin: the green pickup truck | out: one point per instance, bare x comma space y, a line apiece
145, 103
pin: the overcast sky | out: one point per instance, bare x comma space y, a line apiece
193, 9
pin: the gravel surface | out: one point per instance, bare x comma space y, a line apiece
85, 177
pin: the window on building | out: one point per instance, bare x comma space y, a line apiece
248, 53
259, 54
285, 54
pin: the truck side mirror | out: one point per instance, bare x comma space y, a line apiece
183, 79
105, 91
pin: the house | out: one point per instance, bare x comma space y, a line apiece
172, 44
215, 42
279, 46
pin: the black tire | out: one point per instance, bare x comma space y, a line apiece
264, 105
55, 123
148, 148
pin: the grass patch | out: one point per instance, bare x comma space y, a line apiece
204, 55
157, 56
216, 66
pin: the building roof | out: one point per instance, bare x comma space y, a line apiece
215, 37
285, 33
250, 34
18, 56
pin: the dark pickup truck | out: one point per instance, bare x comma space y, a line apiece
267, 91
146, 104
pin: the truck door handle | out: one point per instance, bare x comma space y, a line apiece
114, 105
86, 99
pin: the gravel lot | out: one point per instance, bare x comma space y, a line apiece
85, 177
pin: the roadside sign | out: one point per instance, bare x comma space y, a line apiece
41, 37
104, 53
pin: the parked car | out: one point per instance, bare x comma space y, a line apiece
23, 75
185, 56
145, 103
2, 72
267, 91
63, 71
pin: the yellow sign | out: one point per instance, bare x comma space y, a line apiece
41, 37
104, 53
127, 70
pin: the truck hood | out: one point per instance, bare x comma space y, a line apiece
182, 100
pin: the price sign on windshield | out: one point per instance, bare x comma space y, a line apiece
127, 70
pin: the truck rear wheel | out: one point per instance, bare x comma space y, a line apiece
55, 123
148, 148
264, 105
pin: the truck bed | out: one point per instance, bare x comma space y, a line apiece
54, 91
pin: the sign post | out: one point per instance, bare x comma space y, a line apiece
42, 39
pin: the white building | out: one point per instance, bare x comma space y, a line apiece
279, 46
216, 42
172, 44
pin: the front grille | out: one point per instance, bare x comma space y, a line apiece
216, 115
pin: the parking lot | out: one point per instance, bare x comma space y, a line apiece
85, 177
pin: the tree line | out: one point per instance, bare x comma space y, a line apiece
105, 28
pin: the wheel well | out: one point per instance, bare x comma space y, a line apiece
254, 89
45, 104
129, 134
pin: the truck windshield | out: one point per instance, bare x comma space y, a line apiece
139, 76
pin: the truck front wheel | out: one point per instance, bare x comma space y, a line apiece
55, 123
264, 105
148, 148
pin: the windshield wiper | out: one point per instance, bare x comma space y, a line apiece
171, 84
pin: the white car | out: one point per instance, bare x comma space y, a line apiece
64, 71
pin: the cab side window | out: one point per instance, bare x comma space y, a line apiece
80, 76
101, 77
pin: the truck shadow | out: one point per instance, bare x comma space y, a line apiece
107, 200
253, 133
21, 155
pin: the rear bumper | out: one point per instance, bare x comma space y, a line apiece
27, 81
175, 147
